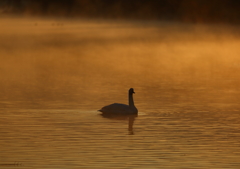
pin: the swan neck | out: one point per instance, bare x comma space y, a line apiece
130, 99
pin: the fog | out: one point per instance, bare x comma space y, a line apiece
60, 59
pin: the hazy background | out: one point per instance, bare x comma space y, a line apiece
193, 11
73, 51
82, 61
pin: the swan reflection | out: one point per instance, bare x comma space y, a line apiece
120, 111
130, 118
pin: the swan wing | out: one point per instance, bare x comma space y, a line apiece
116, 108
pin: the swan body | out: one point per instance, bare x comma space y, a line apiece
118, 108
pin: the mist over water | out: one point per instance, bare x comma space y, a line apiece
61, 60
55, 74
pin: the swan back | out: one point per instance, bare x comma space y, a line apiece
118, 108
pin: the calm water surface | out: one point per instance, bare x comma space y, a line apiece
55, 78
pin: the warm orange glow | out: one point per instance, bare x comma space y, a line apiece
46, 51
56, 74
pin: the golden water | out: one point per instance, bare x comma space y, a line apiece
56, 74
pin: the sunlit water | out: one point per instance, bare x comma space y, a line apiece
55, 75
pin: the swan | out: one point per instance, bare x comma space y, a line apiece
121, 109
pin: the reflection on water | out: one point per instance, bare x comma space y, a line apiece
55, 78
130, 118
74, 138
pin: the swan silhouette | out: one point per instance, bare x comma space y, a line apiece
121, 109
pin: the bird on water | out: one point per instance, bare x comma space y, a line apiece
121, 109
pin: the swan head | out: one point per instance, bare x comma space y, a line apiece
131, 91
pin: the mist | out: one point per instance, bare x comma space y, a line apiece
73, 59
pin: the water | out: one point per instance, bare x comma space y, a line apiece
56, 74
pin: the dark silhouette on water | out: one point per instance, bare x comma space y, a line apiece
121, 109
